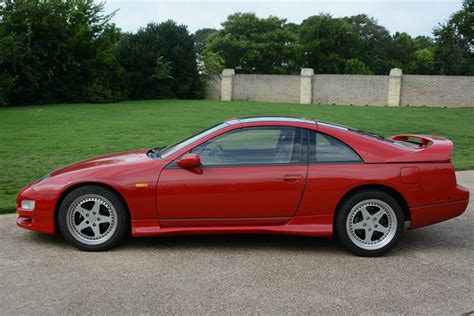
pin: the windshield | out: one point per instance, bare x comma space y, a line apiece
165, 152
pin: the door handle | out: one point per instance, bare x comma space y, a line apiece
292, 178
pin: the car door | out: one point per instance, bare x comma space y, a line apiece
250, 175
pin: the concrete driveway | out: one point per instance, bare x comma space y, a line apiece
431, 271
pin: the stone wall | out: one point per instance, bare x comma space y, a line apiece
350, 89
213, 88
394, 89
267, 88
452, 91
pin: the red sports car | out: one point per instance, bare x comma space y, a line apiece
271, 175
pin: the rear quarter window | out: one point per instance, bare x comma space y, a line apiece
324, 148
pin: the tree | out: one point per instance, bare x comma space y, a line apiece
326, 44
422, 62
8, 52
160, 62
201, 38
357, 67
63, 52
454, 50
253, 45
212, 63
376, 42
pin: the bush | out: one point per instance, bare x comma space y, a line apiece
57, 51
160, 62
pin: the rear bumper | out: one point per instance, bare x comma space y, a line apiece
432, 214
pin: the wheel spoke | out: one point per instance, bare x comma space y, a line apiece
96, 230
379, 215
382, 229
368, 235
82, 225
365, 212
96, 207
82, 211
105, 219
359, 225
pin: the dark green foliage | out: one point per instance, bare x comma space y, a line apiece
57, 51
67, 51
200, 39
326, 43
455, 42
356, 44
356, 66
160, 62
253, 45
376, 42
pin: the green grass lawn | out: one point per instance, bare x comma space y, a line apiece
36, 139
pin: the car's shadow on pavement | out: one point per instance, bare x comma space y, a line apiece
432, 238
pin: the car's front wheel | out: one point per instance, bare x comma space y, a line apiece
369, 223
93, 218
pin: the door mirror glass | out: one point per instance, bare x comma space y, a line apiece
189, 161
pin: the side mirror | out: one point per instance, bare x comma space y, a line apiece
189, 161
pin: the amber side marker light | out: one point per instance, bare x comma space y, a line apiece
141, 185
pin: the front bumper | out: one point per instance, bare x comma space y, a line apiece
41, 218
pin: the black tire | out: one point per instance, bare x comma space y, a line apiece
121, 218
350, 242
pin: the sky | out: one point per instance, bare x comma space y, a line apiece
417, 17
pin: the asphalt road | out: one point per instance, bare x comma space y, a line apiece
431, 271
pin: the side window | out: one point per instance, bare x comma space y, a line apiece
252, 146
327, 149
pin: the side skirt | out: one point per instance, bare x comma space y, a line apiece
315, 225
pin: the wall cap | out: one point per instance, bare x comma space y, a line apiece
228, 72
307, 72
396, 72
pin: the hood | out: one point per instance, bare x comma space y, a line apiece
127, 157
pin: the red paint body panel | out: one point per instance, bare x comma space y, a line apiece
283, 199
236, 192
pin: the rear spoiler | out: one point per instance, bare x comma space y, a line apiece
429, 147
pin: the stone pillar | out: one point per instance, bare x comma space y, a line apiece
394, 87
227, 84
306, 85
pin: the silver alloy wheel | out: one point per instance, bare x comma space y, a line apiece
371, 224
91, 219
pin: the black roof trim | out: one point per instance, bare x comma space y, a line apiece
252, 119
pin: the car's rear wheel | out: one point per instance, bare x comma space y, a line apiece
93, 218
369, 223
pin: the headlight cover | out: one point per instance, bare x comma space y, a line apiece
28, 204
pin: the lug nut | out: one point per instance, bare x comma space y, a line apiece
98, 218
93, 224
87, 222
